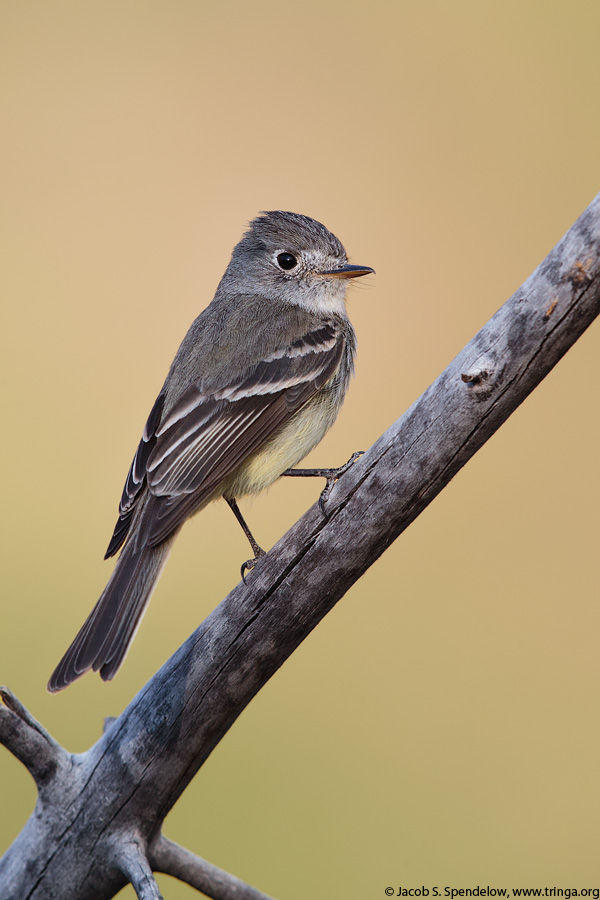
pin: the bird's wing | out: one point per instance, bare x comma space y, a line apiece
205, 436
136, 478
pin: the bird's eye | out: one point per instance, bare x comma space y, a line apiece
287, 260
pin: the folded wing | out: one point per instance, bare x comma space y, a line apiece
185, 454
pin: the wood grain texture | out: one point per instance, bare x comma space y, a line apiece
120, 790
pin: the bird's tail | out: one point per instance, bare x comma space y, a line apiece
105, 636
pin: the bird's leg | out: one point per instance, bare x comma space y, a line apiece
258, 551
331, 475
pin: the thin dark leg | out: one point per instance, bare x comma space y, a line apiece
331, 475
258, 551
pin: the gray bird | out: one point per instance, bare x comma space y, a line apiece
256, 383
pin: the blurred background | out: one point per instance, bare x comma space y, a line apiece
441, 726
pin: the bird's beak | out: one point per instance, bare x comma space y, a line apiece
348, 271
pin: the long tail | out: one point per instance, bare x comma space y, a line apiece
105, 636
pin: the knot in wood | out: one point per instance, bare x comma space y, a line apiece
476, 375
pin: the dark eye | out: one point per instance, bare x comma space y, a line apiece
287, 260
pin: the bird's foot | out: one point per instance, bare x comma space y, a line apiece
332, 476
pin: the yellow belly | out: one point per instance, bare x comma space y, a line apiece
285, 449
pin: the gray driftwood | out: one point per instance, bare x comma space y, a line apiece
96, 824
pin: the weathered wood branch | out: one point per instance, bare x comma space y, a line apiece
29, 741
165, 856
133, 858
97, 821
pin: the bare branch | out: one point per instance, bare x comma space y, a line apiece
136, 868
171, 859
28, 740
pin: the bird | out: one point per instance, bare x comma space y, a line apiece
256, 383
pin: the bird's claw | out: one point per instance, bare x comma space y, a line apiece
250, 563
247, 567
333, 476
324, 495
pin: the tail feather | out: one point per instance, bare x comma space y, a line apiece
104, 638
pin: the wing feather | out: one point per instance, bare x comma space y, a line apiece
177, 507
136, 478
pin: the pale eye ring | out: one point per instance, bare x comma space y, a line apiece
286, 261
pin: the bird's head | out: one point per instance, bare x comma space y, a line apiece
290, 257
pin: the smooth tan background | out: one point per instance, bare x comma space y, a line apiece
441, 726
